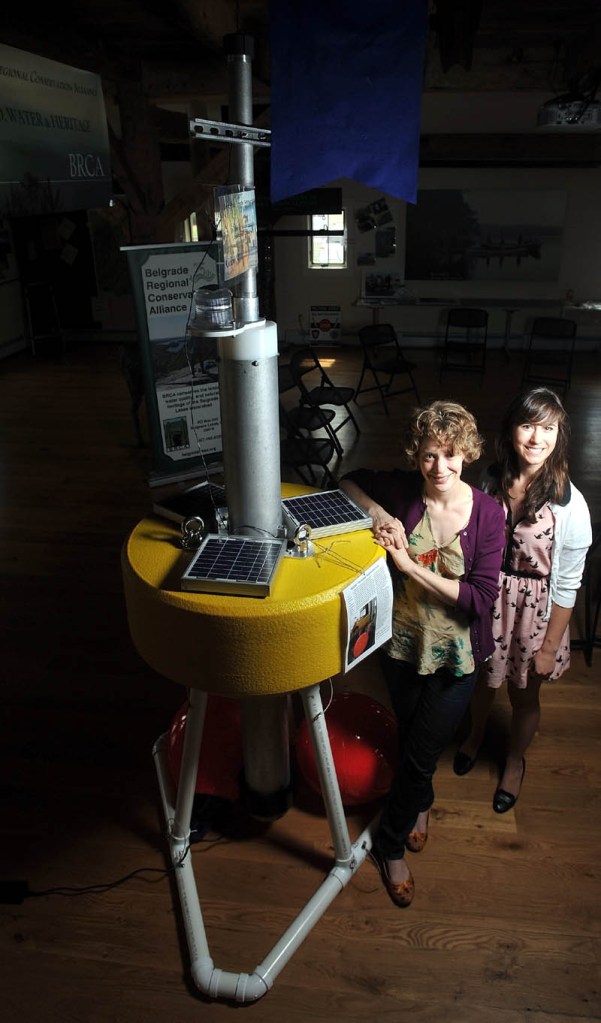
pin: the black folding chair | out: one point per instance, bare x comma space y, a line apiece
465, 339
309, 419
384, 360
318, 390
592, 599
306, 454
43, 322
550, 353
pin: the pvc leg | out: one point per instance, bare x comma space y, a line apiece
245, 987
330, 789
189, 767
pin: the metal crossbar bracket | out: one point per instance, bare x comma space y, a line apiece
240, 133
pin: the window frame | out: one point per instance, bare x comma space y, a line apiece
312, 222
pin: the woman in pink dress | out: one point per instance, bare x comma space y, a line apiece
548, 533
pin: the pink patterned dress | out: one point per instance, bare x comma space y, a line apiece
519, 624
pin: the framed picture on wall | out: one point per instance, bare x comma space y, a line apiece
485, 234
381, 286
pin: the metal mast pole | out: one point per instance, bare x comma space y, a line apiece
248, 372
248, 385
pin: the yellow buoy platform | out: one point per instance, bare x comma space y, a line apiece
241, 646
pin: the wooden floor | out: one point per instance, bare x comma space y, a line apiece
506, 922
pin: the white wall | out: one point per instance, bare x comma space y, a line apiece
448, 112
297, 287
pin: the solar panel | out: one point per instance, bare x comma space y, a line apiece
326, 512
234, 564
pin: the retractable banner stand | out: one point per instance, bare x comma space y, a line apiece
346, 87
180, 369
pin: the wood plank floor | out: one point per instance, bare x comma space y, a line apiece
506, 922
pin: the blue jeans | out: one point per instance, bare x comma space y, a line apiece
429, 709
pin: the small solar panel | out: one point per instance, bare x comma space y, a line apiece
326, 512
234, 564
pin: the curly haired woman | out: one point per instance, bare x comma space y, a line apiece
444, 541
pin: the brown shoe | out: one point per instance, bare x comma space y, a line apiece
416, 840
401, 894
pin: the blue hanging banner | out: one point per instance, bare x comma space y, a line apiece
346, 87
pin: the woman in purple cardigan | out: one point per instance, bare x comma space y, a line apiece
444, 541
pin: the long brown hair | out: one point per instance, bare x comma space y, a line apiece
538, 405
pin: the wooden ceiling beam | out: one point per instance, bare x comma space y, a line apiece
556, 149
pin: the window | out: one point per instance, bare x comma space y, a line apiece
327, 251
190, 228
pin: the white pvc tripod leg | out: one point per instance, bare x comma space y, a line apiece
244, 987
178, 818
195, 719
328, 780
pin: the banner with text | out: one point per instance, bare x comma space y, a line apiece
179, 366
53, 137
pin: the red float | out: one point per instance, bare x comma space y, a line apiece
221, 756
363, 737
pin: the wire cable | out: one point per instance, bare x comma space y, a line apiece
17, 891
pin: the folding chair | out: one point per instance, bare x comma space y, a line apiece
307, 455
550, 353
304, 453
43, 322
592, 599
318, 390
301, 420
383, 358
465, 340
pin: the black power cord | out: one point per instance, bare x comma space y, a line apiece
211, 824
13, 893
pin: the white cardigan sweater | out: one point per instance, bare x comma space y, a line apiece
572, 539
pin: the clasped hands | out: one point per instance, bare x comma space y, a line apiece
390, 534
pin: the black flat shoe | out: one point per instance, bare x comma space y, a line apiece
503, 800
462, 764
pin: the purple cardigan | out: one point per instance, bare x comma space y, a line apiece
482, 542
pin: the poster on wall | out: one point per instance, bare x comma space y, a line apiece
325, 322
485, 235
53, 135
376, 233
381, 287
179, 364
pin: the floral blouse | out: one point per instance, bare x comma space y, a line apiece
426, 631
